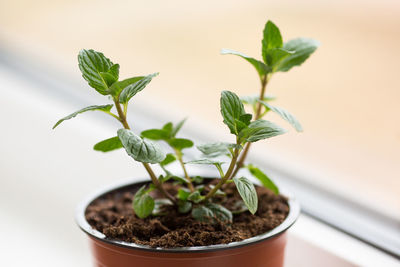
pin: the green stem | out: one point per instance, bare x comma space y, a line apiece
122, 119
226, 177
242, 158
189, 180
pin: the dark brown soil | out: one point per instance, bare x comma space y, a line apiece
113, 215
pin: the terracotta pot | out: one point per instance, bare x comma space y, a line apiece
259, 251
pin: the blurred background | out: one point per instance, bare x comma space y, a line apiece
346, 96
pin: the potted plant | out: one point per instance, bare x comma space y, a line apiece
178, 220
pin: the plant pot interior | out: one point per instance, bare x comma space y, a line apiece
112, 214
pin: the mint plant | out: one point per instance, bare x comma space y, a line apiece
227, 157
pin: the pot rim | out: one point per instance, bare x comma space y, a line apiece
294, 211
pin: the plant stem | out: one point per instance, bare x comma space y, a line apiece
122, 119
242, 158
189, 180
228, 175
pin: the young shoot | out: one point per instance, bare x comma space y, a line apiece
202, 201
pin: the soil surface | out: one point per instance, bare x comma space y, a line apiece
112, 214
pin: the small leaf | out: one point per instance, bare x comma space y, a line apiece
139, 149
231, 109
272, 38
195, 197
108, 78
262, 69
211, 213
239, 207
155, 134
198, 180
184, 206
253, 99
263, 178
134, 88
219, 192
117, 87
114, 71
183, 193
91, 64
275, 56
143, 203
260, 129
180, 143
216, 149
284, 114
302, 47
247, 192
168, 128
108, 144
168, 159
205, 161
177, 127
159, 204
105, 108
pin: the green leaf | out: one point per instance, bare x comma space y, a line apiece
158, 204
302, 47
92, 64
239, 207
247, 192
108, 144
272, 37
108, 78
284, 114
105, 108
275, 56
139, 149
216, 149
184, 206
180, 143
143, 203
156, 134
260, 129
262, 69
177, 127
205, 161
212, 213
117, 87
114, 71
183, 193
253, 99
134, 88
195, 197
263, 178
231, 109
168, 128
168, 159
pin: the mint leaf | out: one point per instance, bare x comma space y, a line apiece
177, 127
260, 129
263, 178
92, 64
272, 38
253, 99
139, 149
134, 88
247, 192
231, 109
105, 108
184, 206
205, 161
168, 128
168, 159
143, 203
183, 193
108, 144
275, 56
159, 204
302, 47
195, 197
284, 114
156, 134
117, 87
216, 149
212, 213
180, 143
262, 69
